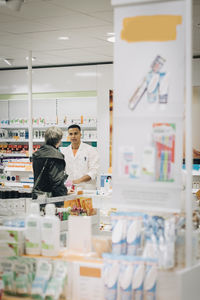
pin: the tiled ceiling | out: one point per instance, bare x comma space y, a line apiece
87, 23
39, 23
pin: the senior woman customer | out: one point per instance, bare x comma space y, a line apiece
49, 165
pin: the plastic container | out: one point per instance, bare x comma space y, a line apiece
50, 231
33, 232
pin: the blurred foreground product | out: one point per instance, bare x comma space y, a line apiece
101, 244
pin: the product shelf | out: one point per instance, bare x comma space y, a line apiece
10, 228
71, 256
37, 140
18, 169
10, 155
83, 140
64, 126
8, 297
18, 184
13, 140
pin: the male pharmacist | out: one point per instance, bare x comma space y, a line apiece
82, 160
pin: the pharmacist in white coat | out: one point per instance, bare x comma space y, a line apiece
82, 160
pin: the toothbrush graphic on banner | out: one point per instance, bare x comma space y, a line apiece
150, 84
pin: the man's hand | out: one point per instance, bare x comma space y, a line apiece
76, 181
70, 191
84, 178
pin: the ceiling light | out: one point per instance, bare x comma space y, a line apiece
63, 38
110, 33
111, 39
33, 58
8, 61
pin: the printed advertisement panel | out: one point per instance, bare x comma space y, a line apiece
149, 104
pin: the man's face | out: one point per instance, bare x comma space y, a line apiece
74, 136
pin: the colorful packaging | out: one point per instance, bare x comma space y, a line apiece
119, 223
8, 277
111, 269
134, 233
150, 280
58, 280
43, 274
125, 279
138, 278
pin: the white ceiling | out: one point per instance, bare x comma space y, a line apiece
39, 24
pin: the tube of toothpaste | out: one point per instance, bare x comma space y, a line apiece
152, 86
134, 233
155, 244
169, 258
110, 276
159, 233
164, 87
150, 241
118, 222
125, 278
150, 280
138, 279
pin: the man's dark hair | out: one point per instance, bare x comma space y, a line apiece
74, 126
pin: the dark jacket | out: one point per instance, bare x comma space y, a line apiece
53, 176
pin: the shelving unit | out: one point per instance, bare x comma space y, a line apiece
40, 129
13, 155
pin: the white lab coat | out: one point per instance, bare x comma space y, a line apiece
85, 162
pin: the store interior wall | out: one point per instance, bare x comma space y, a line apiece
97, 78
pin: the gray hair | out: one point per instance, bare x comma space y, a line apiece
53, 135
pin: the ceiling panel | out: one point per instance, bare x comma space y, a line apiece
25, 27
42, 9
9, 52
5, 18
104, 15
84, 6
39, 24
74, 20
105, 50
80, 53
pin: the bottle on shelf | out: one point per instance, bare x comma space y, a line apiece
32, 233
50, 232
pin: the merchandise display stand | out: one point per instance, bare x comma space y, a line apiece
149, 85
84, 275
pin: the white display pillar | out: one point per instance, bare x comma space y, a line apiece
188, 140
152, 72
30, 127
